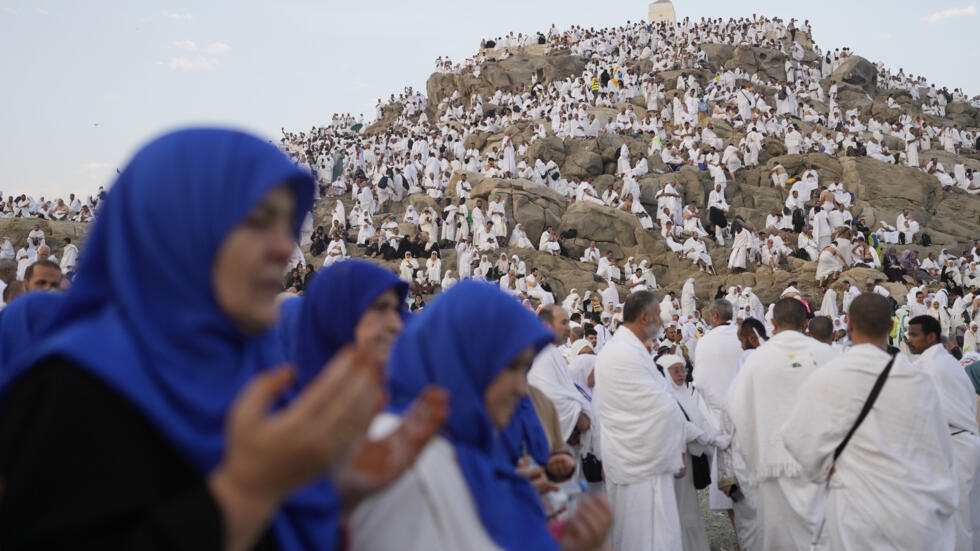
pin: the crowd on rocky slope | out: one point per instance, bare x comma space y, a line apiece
736, 146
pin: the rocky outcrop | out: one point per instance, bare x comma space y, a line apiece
525, 202
506, 74
881, 191
54, 232
611, 229
857, 71
753, 58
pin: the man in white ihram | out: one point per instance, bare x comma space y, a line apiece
549, 374
959, 404
788, 506
642, 432
715, 366
893, 485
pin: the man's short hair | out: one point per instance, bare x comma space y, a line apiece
636, 304
789, 313
43, 263
929, 325
547, 315
723, 307
822, 329
871, 315
752, 324
590, 330
578, 333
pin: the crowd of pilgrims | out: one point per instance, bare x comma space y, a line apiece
72, 209
218, 412
357, 416
368, 178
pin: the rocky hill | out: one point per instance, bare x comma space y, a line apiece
881, 190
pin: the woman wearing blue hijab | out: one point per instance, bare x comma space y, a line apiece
354, 302
142, 419
478, 343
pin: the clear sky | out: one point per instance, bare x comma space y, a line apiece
84, 84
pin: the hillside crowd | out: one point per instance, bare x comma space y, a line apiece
440, 395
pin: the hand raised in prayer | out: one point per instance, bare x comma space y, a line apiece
535, 475
560, 466
379, 462
269, 455
587, 528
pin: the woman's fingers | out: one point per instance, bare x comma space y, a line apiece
254, 401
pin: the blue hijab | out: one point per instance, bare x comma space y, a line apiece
22, 323
524, 435
332, 304
142, 314
312, 328
460, 342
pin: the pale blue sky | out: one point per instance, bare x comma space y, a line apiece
85, 83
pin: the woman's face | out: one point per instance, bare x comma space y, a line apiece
507, 389
379, 325
249, 265
678, 373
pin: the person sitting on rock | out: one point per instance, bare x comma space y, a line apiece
607, 268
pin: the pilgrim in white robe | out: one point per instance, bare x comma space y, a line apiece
894, 485
688, 298
549, 374
715, 366
643, 439
498, 217
701, 440
336, 250
788, 506
828, 307
519, 240
959, 404
433, 269
608, 269
536, 291
428, 507
740, 247
69, 256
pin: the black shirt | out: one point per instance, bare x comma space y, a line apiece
83, 468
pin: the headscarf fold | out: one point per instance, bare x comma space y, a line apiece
461, 342
22, 323
142, 314
332, 305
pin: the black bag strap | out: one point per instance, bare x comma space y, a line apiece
868, 404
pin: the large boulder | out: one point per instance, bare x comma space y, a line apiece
963, 113
507, 74
857, 71
882, 190
525, 202
956, 215
770, 62
549, 148
717, 54
55, 232
582, 161
611, 229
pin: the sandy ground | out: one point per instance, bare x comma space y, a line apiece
716, 523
